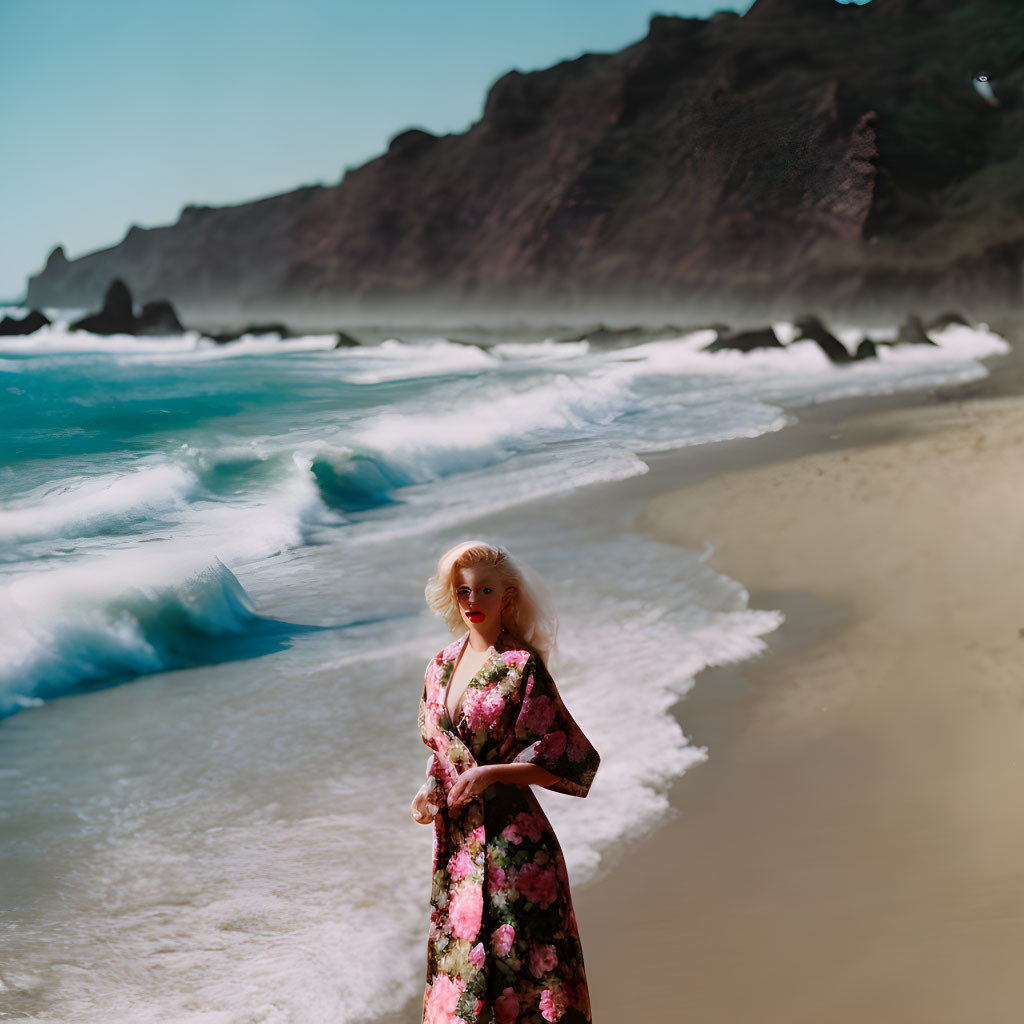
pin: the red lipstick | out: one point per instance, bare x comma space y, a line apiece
475, 616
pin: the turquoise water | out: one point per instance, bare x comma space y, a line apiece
212, 635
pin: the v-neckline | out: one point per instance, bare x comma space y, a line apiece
491, 651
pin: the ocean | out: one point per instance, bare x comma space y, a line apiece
213, 633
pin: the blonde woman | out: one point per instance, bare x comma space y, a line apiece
503, 945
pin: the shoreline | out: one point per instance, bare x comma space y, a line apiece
840, 853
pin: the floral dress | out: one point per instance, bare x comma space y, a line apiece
503, 946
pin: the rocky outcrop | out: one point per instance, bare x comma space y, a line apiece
912, 332
810, 154
812, 329
158, 317
223, 337
118, 315
745, 341
28, 324
604, 337
867, 349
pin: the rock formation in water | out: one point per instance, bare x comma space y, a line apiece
28, 324
118, 315
810, 154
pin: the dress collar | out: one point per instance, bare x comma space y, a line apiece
502, 643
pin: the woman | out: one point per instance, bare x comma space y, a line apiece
503, 947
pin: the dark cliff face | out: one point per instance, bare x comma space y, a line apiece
809, 151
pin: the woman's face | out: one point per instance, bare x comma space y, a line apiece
480, 593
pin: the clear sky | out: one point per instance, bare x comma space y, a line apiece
115, 112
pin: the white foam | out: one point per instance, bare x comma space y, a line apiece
395, 360
79, 504
58, 339
217, 853
786, 332
247, 345
164, 502
684, 355
639, 620
188, 346
546, 351
471, 430
281, 516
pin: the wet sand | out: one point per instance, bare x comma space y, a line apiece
854, 847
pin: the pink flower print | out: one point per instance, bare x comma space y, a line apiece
553, 1004
483, 708
539, 713
477, 955
442, 998
523, 826
538, 884
512, 834
506, 1007
517, 658
460, 865
497, 880
466, 911
502, 938
530, 825
445, 770
578, 745
478, 835
543, 958
439, 770
551, 747
495, 703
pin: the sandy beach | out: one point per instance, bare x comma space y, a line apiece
853, 848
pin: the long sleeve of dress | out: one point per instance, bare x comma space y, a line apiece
547, 735
433, 785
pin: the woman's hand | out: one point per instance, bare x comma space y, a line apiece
423, 807
472, 782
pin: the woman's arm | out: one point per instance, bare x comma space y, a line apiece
427, 801
475, 780
519, 774
423, 807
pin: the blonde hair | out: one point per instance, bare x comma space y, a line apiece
530, 616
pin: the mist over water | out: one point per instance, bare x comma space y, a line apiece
212, 635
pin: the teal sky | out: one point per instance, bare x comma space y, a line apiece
115, 112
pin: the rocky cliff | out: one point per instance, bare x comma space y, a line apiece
808, 152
